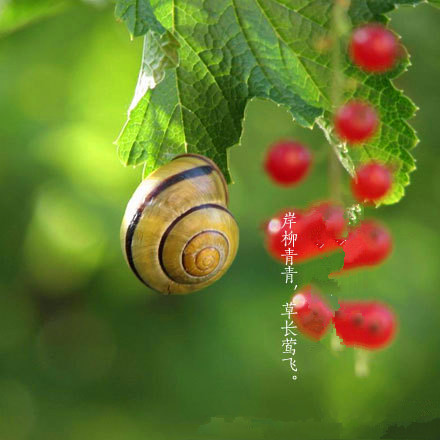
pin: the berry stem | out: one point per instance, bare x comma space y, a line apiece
361, 362
339, 27
334, 173
335, 342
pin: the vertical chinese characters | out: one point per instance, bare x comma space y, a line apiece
289, 342
289, 336
288, 239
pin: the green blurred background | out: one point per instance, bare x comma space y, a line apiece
86, 352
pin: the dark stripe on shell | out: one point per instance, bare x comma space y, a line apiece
177, 220
215, 166
165, 184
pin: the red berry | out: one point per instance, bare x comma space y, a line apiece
365, 324
356, 121
287, 162
274, 232
374, 48
366, 245
317, 230
371, 183
333, 216
313, 315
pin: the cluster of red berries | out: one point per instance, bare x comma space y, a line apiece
364, 324
322, 229
318, 230
374, 49
288, 162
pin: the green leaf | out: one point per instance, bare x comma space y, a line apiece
373, 10
138, 15
15, 14
231, 51
153, 111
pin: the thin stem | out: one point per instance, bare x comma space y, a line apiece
336, 32
335, 342
338, 29
335, 177
362, 362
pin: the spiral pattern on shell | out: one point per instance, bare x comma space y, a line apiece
177, 233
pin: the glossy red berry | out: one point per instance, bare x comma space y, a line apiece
318, 230
366, 245
274, 232
333, 216
356, 122
370, 325
312, 313
371, 183
374, 48
287, 162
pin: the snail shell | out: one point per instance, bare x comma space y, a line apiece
177, 233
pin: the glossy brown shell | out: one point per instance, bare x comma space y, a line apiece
177, 233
